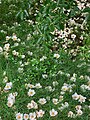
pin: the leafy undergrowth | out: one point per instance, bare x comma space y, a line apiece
45, 60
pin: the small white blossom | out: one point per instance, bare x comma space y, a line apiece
53, 112
31, 92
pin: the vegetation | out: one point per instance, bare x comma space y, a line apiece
44, 59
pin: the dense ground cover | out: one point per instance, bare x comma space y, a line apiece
44, 59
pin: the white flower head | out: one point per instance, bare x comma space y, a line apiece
40, 113
55, 101
64, 88
31, 92
53, 112
32, 116
8, 86
78, 107
6, 47
70, 114
79, 112
10, 103
8, 37
82, 99
42, 101
38, 85
75, 96
56, 56
26, 117
19, 116
35, 105
73, 36
30, 106
14, 37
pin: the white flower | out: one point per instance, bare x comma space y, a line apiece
75, 96
53, 112
6, 47
70, 114
40, 113
44, 76
8, 86
7, 37
78, 107
22, 56
55, 83
16, 44
42, 101
35, 105
60, 98
79, 112
73, 36
10, 103
55, 101
32, 116
43, 58
11, 97
31, 92
56, 56
1, 50
30, 106
30, 53
66, 105
26, 116
81, 98
14, 52
31, 86
20, 70
14, 37
19, 116
5, 78
64, 88
38, 85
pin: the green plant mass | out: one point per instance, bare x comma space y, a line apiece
44, 59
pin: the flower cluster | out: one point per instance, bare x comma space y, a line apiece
11, 99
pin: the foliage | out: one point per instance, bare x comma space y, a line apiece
45, 49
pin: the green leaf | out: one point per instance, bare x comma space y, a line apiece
86, 10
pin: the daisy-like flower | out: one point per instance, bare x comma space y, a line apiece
56, 56
10, 103
14, 52
75, 96
6, 47
26, 117
78, 107
64, 88
42, 101
8, 86
60, 98
82, 99
7, 37
31, 92
19, 116
38, 85
40, 113
30, 106
53, 112
14, 37
55, 101
70, 114
32, 116
79, 112
35, 105
31, 86
73, 36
